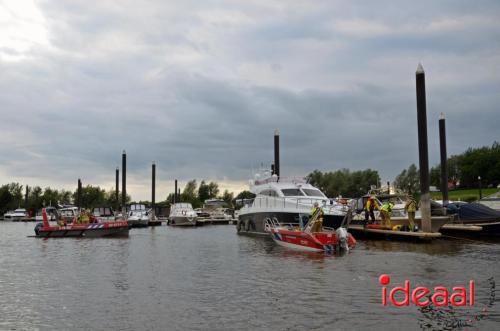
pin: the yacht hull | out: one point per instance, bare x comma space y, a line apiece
255, 223
182, 221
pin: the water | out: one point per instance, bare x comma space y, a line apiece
209, 278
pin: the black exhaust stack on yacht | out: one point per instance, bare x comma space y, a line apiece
153, 186
124, 182
276, 153
444, 165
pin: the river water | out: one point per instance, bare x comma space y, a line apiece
209, 278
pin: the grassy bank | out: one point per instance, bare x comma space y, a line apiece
465, 195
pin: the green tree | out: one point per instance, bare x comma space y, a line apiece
408, 180
189, 194
228, 198
344, 182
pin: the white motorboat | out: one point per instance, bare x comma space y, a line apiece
68, 213
51, 214
16, 215
285, 201
105, 214
182, 214
138, 216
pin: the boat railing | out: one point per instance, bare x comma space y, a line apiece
293, 202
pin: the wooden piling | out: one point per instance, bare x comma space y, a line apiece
425, 202
79, 195
277, 153
124, 182
175, 191
444, 159
117, 189
153, 186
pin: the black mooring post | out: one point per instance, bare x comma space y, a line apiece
179, 194
272, 169
153, 186
117, 189
425, 202
26, 198
388, 187
277, 152
444, 159
79, 195
124, 182
480, 188
175, 191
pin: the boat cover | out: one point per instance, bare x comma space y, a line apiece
476, 211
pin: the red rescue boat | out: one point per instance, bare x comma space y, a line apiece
313, 238
92, 230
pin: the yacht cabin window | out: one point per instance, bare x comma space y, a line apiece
269, 193
313, 193
292, 192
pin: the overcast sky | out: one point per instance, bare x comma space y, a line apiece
200, 86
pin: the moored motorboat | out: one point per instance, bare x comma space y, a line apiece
16, 215
138, 216
91, 230
313, 238
182, 214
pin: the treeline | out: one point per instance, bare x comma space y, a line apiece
344, 182
196, 195
463, 170
13, 196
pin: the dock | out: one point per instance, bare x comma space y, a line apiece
360, 229
214, 221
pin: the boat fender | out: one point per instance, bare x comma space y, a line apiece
183, 212
239, 226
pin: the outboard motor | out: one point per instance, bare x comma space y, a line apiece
342, 238
38, 226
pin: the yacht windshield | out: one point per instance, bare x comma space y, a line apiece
313, 193
292, 192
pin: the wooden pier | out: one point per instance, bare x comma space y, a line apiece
214, 221
360, 229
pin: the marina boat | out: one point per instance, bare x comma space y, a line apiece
492, 201
68, 213
182, 214
52, 214
281, 200
138, 216
91, 229
213, 209
313, 237
104, 213
16, 215
473, 218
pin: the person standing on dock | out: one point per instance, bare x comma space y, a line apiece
385, 213
411, 208
370, 206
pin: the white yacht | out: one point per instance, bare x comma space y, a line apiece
105, 214
16, 215
68, 213
285, 201
51, 214
138, 216
182, 213
213, 209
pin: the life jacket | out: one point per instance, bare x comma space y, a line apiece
371, 204
387, 207
411, 206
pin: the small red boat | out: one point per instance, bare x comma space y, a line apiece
325, 241
92, 230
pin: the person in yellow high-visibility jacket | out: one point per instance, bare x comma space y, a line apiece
411, 208
318, 223
370, 206
385, 213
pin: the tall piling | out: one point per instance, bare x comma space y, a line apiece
79, 194
117, 189
26, 198
175, 191
124, 182
277, 153
153, 186
425, 202
444, 159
